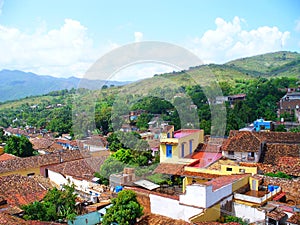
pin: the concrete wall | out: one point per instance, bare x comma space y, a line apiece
223, 171
24, 172
171, 208
242, 156
57, 178
248, 212
206, 197
196, 138
211, 214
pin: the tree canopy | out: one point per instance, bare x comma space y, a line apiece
19, 146
125, 209
56, 205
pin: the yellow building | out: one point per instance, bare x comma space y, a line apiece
175, 146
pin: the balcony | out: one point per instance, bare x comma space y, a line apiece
172, 141
257, 197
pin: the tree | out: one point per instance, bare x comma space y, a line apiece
111, 166
57, 204
19, 146
125, 209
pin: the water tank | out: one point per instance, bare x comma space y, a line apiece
118, 189
270, 188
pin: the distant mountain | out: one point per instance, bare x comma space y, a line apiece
15, 84
276, 64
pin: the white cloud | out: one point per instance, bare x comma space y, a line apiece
141, 71
297, 27
66, 51
138, 36
230, 41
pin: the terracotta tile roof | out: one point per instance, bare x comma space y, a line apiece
16, 131
275, 151
279, 137
169, 168
41, 143
82, 168
19, 190
153, 219
205, 158
243, 141
289, 165
201, 175
276, 214
96, 140
7, 219
295, 218
224, 180
38, 161
6, 156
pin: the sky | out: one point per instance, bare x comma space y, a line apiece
65, 38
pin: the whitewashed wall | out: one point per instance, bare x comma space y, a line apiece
205, 196
248, 212
171, 208
57, 178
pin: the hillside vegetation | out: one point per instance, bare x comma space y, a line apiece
83, 111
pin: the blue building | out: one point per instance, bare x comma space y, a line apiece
262, 125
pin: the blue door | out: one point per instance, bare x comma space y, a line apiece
191, 146
169, 151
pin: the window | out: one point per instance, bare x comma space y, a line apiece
191, 146
251, 154
182, 150
230, 152
169, 151
228, 168
242, 170
30, 174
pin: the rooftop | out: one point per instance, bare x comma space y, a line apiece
6, 156
205, 158
224, 180
19, 190
82, 168
184, 132
38, 161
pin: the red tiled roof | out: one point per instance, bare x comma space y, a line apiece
6, 156
19, 190
82, 168
295, 218
242, 141
276, 214
224, 180
169, 168
38, 161
205, 158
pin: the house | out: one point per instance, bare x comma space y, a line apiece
262, 125
19, 190
121, 179
200, 200
78, 172
265, 147
289, 104
176, 146
36, 165
243, 146
95, 143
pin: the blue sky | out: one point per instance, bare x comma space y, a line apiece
64, 38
